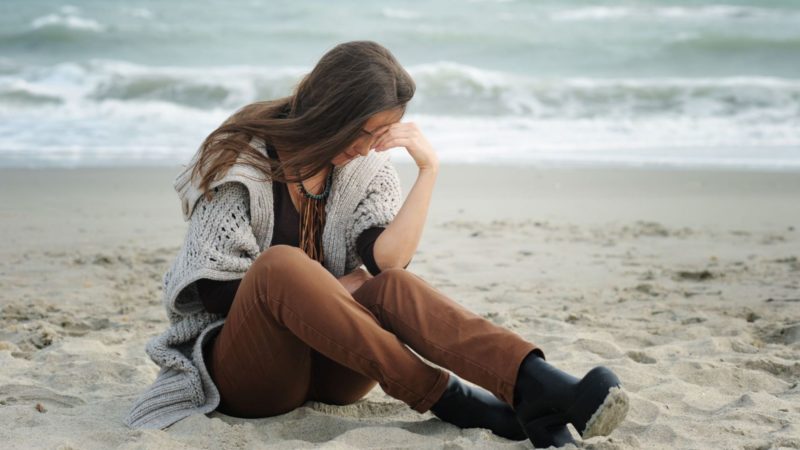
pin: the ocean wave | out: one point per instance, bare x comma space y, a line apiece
141, 13
68, 16
490, 1
11, 95
697, 13
403, 14
103, 80
443, 88
66, 25
448, 87
726, 43
68, 22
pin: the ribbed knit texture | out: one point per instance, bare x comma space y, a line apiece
224, 237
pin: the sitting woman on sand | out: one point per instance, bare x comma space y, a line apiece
269, 307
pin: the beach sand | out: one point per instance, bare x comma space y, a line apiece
685, 282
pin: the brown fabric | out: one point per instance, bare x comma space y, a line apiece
295, 334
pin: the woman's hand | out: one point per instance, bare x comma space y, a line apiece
408, 135
353, 280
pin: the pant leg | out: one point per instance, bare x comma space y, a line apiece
259, 366
444, 332
253, 390
296, 294
336, 384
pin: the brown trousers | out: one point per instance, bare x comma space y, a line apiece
294, 333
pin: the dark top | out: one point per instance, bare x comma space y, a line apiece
217, 296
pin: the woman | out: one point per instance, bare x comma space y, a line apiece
269, 307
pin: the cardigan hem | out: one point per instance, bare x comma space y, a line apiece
140, 417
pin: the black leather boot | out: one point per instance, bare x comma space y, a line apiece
469, 406
546, 397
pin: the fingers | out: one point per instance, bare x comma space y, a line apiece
388, 134
388, 137
393, 142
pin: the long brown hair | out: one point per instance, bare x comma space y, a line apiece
324, 114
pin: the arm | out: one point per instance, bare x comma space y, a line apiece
365, 245
366, 248
397, 243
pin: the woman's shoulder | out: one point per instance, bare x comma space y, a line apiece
231, 198
229, 191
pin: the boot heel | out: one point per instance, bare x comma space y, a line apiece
472, 406
601, 404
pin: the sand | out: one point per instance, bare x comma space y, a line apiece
684, 282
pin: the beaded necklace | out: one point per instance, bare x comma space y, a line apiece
312, 218
312, 211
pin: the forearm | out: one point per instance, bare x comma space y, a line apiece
397, 243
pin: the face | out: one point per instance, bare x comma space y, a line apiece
369, 135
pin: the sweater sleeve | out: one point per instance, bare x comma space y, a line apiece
219, 245
366, 249
377, 208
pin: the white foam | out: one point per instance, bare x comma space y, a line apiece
395, 13
142, 13
67, 20
591, 13
696, 13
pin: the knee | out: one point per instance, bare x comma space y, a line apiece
383, 279
395, 275
388, 285
280, 259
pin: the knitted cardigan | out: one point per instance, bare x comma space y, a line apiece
221, 243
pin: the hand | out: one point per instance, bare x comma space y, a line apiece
353, 280
408, 135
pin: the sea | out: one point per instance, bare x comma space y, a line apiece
687, 84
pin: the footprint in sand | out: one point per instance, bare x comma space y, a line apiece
360, 409
787, 372
641, 357
12, 394
605, 349
334, 423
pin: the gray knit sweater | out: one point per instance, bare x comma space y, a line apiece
225, 235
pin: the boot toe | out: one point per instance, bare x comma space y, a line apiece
609, 415
601, 404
